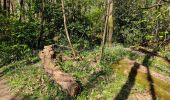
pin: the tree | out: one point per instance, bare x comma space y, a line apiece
0, 5
21, 10
5, 7
42, 25
65, 26
110, 23
8, 7
104, 33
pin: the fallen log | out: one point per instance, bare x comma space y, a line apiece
151, 52
66, 81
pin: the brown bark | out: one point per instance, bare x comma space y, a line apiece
65, 26
66, 81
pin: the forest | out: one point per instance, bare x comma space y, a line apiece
84, 49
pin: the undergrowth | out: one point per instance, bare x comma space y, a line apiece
99, 81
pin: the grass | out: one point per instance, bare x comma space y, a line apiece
31, 82
100, 82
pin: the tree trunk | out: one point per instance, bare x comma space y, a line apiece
65, 26
110, 23
0, 5
104, 35
42, 26
21, 10
12, 7
8, 7
66, 81
5, 8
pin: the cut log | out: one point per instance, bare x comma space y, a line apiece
66, 81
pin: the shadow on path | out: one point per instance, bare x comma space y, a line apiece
149, 77
127, 87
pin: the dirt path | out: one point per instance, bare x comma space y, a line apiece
5, 92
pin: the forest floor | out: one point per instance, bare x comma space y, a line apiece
111, 79
5, 91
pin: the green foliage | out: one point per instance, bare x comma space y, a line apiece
166, 54
23, 29
31, 82
129, 25
114, 54
11, 53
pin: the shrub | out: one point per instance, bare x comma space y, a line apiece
114, 54
15, 52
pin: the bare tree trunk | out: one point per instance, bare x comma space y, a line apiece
12, 7
0, 5
104, 35
110, 23
5, 8
65, 26
42, 26
8, 7
21, 10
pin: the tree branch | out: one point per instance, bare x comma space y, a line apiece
159, 4
168, 1
155, 5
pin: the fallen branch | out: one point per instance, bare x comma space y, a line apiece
66, 81
143, 50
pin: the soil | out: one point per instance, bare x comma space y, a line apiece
5, 92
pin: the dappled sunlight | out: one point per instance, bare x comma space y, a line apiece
85, 49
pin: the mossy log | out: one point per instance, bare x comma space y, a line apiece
66, 81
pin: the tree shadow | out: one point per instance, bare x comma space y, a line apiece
146, 63
94, 79
127, 87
